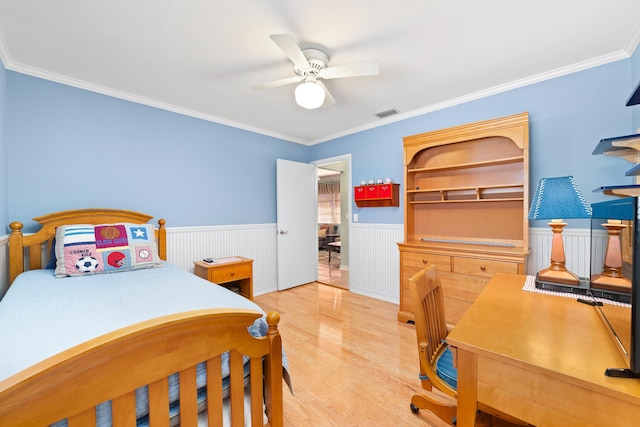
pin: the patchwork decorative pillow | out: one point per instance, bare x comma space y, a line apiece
106, 248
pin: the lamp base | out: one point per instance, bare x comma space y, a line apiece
582, 288
618, 284
563, 276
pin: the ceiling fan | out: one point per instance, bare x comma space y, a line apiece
310, 68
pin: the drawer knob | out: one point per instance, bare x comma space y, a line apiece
424, 260
233, 273
483, 268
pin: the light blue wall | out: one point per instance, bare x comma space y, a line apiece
4, 162
96, 150
70, 148
567, 117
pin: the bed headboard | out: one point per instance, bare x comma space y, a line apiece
36, 247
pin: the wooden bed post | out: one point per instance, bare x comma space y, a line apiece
16, 260
273, 369
161, 238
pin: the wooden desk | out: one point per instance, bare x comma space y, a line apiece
540, 358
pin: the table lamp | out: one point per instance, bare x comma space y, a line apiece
557, 199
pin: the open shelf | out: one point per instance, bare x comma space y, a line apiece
493, 162
620, 190
617, 143
634, 99
489, 193
423, 202
626, 146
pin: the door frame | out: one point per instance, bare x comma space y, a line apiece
341, 158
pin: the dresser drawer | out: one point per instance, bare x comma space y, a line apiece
230, 273
483, 267
422, 260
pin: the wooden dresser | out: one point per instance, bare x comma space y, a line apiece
466, 205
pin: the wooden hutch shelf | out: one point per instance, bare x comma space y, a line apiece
466, 205
491, 162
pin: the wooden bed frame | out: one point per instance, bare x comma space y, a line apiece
111, 367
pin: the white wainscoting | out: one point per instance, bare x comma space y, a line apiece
577, 247
188, 244
374, 260
256, 241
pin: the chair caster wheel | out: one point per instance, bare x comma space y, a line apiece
414, 408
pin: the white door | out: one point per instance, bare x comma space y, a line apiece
296, 197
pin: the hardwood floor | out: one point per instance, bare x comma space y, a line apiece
330, 272
351, 362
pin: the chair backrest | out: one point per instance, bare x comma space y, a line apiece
430, 322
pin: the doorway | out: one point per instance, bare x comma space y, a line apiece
334, 206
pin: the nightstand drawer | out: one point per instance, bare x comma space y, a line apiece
224, 274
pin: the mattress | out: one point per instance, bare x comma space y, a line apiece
42, 315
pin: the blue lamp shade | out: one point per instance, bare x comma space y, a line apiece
558, 198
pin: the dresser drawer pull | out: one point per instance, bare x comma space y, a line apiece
483, 268
424, 260
233, 273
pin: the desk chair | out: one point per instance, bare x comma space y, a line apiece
436, 359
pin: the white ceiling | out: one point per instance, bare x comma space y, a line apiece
199, 57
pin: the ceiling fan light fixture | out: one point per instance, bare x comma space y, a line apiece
309, 95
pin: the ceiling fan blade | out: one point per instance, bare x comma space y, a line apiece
328, 98
277, 83
362, 68
290, 47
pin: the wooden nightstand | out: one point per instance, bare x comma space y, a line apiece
231, 272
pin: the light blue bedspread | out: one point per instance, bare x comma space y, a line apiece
42, 316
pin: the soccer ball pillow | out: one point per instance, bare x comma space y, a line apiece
83, 249
87, 264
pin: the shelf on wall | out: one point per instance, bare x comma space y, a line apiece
620, 190
634, 171
626, 147
616, 145
634, 99
377, 195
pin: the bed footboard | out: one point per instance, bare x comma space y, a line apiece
111, 367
